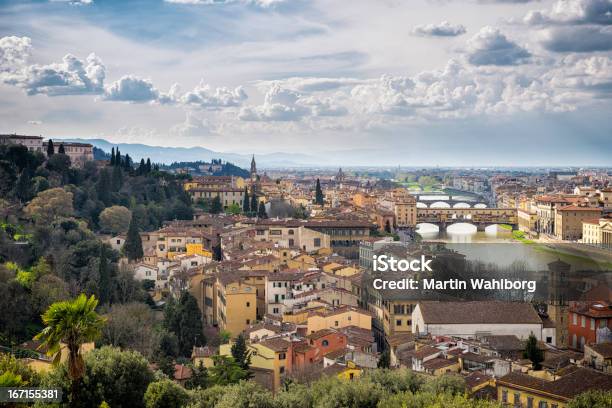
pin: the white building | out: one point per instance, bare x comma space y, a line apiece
476, 319
143, 271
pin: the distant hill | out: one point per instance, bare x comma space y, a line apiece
168, 155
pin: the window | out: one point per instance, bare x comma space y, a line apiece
603, 323
574, 319
291, 232
317, 242
517, 399
592, 324
543, 404
529, 402
281, 370
281, 356
336, 323
398, 322
583, 321
325, 343
291, 243
248, 304
275, 310
248, 321
548, 340
504, 396
348, 318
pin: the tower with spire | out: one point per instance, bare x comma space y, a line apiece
253, 169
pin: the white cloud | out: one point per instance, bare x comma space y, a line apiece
577, 39
204, 96
14, 52
491, 47
72, 76
573, 12
193, 126
131, 89
35, 122
443, 29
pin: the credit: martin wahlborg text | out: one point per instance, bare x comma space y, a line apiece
383, 263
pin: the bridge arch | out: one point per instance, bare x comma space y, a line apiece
461, 228
426, 227
440, 204
480, 205
421, 205
461, 205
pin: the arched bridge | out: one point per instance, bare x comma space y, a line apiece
429, 199
481, 217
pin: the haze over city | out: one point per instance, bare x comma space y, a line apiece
449, 83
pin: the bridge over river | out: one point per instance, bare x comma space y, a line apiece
443, 200
480, 217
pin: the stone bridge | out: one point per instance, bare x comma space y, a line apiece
480, 217
429, 199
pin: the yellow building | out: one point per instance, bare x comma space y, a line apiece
273, 355
228, 195
44, 363
236, 303
404, 207
569, 219
344, 372
203, 355
524, 390
338, 318
397, 316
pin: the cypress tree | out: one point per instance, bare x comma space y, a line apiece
23, 188
245, 202
112, 159
148, 165
385, 360
217, 252
103, 187
261, 211
117, 178
254, 202
118, 158
50, 148
133, 243
240, 352
61, 149
216, 207
127, 162
319, 198
141, 167
533, 352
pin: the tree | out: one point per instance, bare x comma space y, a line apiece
217, 252
199, 377
104, 276
118, 158
73, 323
141, 167
245, 202
59, 163
226, 371
216, 207
23, 188
384, 360
240, 352
61, 149
133, 243
130, 326
117, 178
127, 162
533, 352
246, 394
592, 399
50, 205
165, 394
103, 187
148, 165
261, 211
233, 209
50, 149
319, 197
184, 319
112, 159
254, 202
115, 219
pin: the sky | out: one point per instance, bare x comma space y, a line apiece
359, 82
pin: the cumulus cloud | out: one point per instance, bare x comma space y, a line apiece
204, 96
131, 89
491, 47
14, 53
573, 12
578, 39
580, 73
443, 29
72, 76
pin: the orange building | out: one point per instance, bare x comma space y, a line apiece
584, 321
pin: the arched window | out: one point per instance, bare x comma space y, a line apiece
290, 232
325, 343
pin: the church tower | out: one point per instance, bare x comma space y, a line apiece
253, 169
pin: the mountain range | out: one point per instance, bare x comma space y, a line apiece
168, 155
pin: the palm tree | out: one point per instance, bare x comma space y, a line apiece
71, 323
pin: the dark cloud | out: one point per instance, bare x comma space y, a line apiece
443, 29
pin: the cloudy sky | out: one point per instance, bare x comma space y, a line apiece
382, 82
